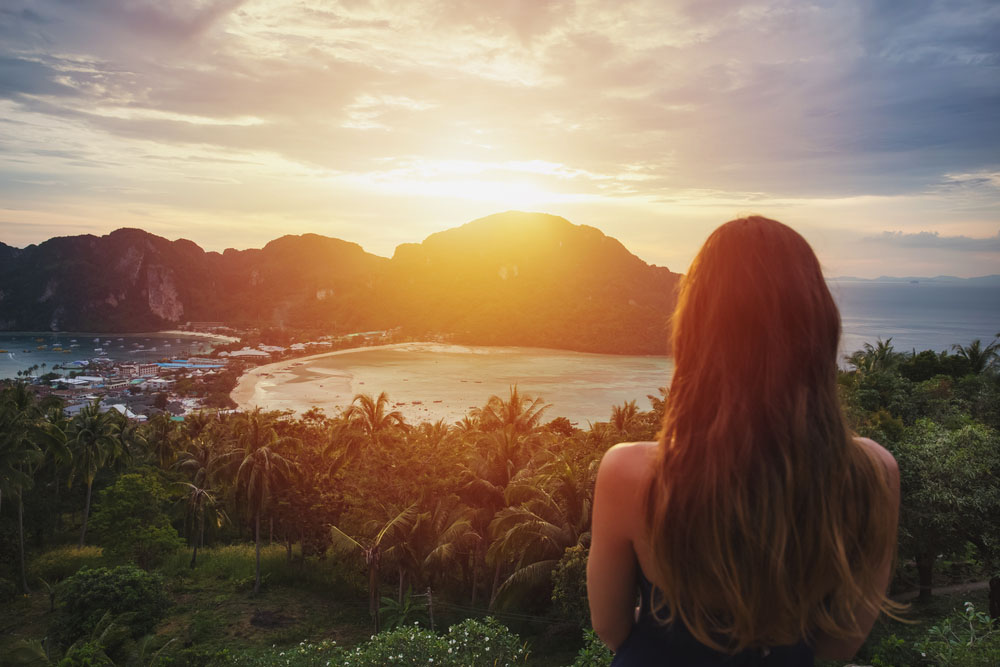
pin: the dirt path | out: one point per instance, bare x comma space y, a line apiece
956, 588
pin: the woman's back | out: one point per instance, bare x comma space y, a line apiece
759, 518
651, 643
644, 640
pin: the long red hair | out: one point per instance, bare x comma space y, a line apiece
767, 521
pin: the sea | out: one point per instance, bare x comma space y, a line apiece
56, 351
917, 315
430, 381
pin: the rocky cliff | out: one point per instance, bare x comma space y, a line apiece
509, 279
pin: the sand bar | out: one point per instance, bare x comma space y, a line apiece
197, 334
431, 381
252, 389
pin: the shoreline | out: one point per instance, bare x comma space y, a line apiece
245, 391
578, 385
196, 334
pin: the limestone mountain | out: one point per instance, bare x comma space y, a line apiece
131, 280
508, 279
536, 280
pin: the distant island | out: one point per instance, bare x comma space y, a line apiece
514, 278
992, 280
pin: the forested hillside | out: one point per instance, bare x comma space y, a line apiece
509, 279
256, 538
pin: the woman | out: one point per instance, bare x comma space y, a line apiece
767, 532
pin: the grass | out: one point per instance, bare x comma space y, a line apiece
214, 608
919, 617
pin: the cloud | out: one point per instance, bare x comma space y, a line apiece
935, 241
643, 103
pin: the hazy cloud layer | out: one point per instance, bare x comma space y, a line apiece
331, 116
934, 240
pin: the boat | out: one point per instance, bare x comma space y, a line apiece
3, 351
39, 340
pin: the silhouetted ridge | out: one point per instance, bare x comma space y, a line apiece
507, 279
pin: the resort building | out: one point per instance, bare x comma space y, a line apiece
139, 370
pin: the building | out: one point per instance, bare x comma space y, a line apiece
116, 383
139, 370
247, 352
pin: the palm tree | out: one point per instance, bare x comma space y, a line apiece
980, 358
203, 462
198, 500
438, 540
545, 516
162, 436
54, 441
881, 356
522, 412
370, 417
94, 442
387, 538
624, 416
262, 470
18, 453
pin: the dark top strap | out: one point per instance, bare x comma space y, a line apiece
651, 643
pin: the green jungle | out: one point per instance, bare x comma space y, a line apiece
359, 539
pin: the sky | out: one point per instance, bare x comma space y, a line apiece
871, 126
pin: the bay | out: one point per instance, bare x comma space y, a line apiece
431, 381
22, 350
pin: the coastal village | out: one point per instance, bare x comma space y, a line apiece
177, 386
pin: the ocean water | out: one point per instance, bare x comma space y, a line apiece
429, 382
19, 351
918, 316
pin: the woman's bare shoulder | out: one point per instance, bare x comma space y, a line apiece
881, 452
628, 462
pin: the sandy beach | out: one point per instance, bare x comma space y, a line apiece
198, 334
286, 385
431, 381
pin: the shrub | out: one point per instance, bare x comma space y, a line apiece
88, 654
410, 645
970, 639
594, 652
131, 523
57, 564
892, 651
305, 654
569, 591
470, 643
8, 591
486, 642
134, 598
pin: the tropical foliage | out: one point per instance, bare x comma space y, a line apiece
440, 521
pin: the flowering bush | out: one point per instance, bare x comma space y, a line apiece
306, 654
971, 639
594, 652
486, 642
470, 643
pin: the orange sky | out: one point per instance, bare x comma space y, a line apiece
870, 127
